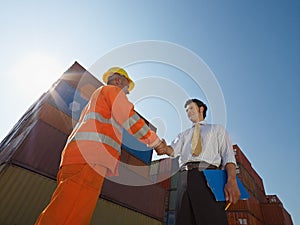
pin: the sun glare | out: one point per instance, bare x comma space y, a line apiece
34, 74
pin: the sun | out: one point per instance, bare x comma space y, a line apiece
34, 74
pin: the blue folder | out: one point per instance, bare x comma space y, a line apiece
216, 180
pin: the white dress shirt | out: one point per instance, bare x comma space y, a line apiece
216, 146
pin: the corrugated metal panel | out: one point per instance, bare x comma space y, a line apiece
10, 144
254, 208
252, 205
273, 199
165, 181
250, 184
165, 166
23, 195
135, 147
67, 99
170, 218
238, 218
240, 205
253, 220
174, 180
41, 149
108, 213
154, 167
56, 118
135, 192
287, 217
242, 160
136, 165
81, 79
273, 214
172, 202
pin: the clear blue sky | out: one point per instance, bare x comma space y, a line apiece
252, 47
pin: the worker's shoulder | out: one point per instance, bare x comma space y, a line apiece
216, 128
108, 89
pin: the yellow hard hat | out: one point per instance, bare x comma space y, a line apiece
120, 71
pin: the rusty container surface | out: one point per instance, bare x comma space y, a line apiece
135, 192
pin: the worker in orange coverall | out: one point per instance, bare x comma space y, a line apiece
93, 150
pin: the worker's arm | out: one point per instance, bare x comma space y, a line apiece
123, 112
232, 192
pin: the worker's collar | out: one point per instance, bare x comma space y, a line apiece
203, 122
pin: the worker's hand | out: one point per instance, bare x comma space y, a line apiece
232, 192
169, 151
162, 148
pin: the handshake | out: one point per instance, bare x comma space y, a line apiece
162, 148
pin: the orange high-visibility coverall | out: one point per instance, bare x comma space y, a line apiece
91, 153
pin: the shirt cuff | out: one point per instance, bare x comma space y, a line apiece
155, 143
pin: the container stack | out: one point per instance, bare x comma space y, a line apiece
274, 212
165, 173
30, 156
251, 211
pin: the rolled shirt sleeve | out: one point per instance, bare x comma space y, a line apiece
225, 147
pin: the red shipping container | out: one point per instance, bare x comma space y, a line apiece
237, 218
41, 150
274, 213
56, 118
135, 192
135, 164
81, 79
245, 163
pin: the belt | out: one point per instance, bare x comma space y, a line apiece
198, 165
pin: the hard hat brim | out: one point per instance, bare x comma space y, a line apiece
107, 74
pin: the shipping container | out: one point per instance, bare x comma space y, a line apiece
40, 151
238, 218
24, 194
56, 118
135, 164
153, 173
109, 213
170, 218
274, 213
251, 205
10, 144
135, 192
174, 181
78, 77
67, 99
287, 217
37, 147
154, 168
245, 163
251, 185
137, 148
172, 202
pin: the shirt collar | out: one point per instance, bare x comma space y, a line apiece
203, 122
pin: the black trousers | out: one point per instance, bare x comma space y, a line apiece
196, 204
